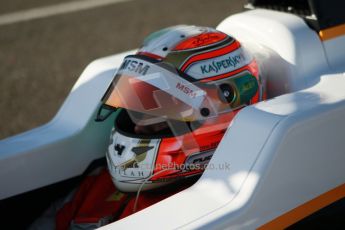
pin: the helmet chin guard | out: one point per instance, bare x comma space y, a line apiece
131, 161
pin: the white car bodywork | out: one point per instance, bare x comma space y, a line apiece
282, 152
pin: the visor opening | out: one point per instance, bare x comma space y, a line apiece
126, 126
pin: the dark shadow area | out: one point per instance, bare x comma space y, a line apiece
31, 205
329, 217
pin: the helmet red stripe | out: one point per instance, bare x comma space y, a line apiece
211, 54
203, 39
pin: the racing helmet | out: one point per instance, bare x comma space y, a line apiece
174, 100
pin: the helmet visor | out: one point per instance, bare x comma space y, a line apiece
158, 89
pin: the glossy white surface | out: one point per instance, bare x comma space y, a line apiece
65, 146
278, 160
299, 57
335, 52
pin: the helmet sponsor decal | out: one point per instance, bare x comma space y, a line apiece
138, 150
199, 160
134, 66
163, 79
219, 65
136, 160
119, 149
186, 90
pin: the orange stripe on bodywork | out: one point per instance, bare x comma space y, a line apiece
332, 32
305, 209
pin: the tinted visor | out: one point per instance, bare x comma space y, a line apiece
157, 89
